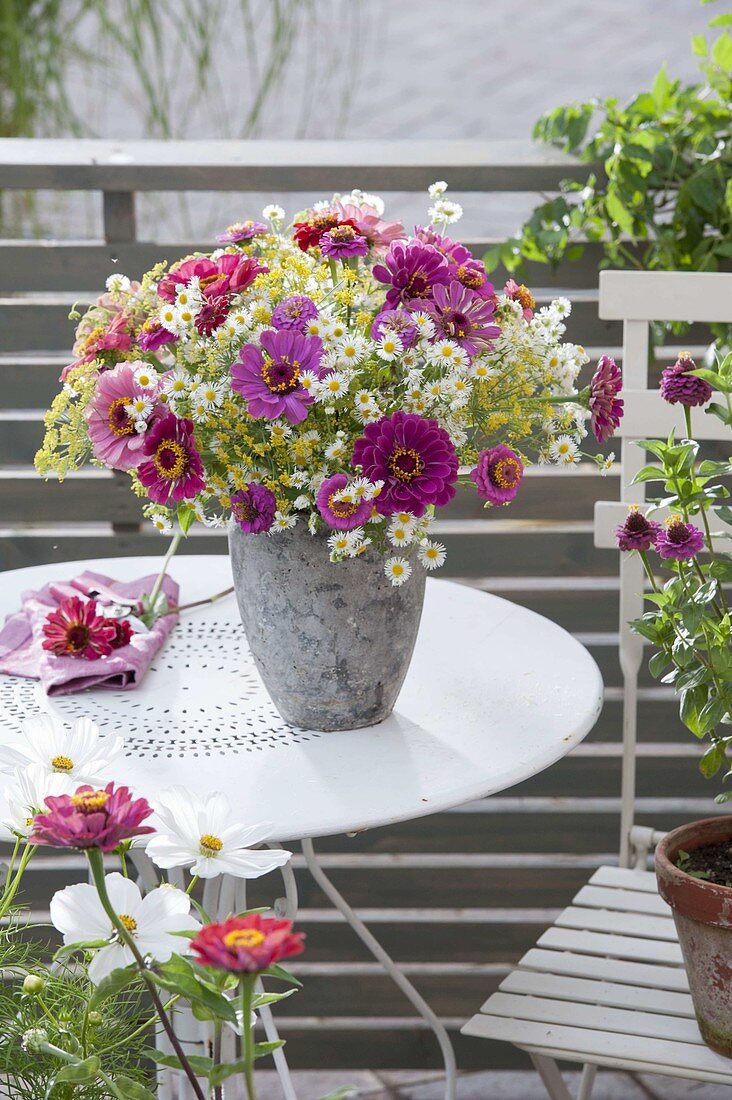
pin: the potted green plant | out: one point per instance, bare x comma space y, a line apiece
690, 629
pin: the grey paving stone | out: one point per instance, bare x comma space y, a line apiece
670, 1088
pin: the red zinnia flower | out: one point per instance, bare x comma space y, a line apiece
245, 945
91, 819
174, 468
76, 629
122, 632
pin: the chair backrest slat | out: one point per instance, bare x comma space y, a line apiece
637, 298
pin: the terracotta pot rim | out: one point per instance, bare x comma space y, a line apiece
703, 901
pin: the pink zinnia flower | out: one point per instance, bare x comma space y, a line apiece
414, 457
114, 440
294, 312
462, 316
114, 337
679, 541
411, 269
91, 819
76, 629
522, 295
370, 225
342, 242
230, 274
498, 474
343, 515
637, 533
122, 633
246, 945
606, 408
464, 267
254, 508
271, 385
400, 322
242, 231
173, 470
679, 387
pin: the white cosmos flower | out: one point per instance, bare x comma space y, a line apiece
77, 913
27, 796
204, 836
79, 753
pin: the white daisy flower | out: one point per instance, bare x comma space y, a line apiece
146, 377
199, 411
79, 752
274, 214
168, 318
431, 554
337, 449
363, 489
398, 534
318, 326
302, 503
339, 543
406, 519
367, 413
299, 479
446, 353
185, 316
209, 394
446, 211
563, 451
606, 464
204, 837
187, 301
152, 921
425, 324
161, 523
561, 307
436, 189
351, 349
27, 796
398, 570
308, 380
283, 521
337, 330
481, 371
177, 383
140, 407
332, 386
364, 398
389, 347
118, 284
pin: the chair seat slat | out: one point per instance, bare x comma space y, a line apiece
624, 879
622, 901
588, 991
618, 947
621, 924
602, 968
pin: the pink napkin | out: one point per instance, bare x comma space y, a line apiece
21, 652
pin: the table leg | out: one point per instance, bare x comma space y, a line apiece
388, 964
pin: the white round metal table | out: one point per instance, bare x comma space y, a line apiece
495, 693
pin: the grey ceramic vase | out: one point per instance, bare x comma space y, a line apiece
332, 641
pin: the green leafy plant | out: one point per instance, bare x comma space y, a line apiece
658, 195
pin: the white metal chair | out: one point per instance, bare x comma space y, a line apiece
605, 985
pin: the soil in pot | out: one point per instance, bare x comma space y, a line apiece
712, 863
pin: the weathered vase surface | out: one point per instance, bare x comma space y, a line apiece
332, 640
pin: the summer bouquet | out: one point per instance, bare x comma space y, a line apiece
100, 1013
337, 373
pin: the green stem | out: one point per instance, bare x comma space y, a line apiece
12, 889
174, 544
64, 1056
96, 864
197, 603
192, 885
247, 990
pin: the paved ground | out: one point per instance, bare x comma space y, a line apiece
490, 1086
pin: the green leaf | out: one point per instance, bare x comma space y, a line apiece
263, 1049
80, 1072
722, 53
713, 759
699, 45
186, 516
201, 1066
649, 473
132, 1090
618, 213
113, 984
661, 90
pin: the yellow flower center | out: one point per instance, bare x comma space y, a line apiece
282, 376
119, 420
342, 508
210, 844
62, 764
129, 922
244, 937
90, 802
405, 463
171, 459
506, 473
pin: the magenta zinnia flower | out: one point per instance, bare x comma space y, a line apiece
679, 541
462, 316
637, 533
173, 469
606, 408
242, 231
230, 274
246, 945
76, 629
343, 515
271, 385
411, 269
213, 312
498, 474
679, 387
343, 241
399, 321
154, 335
294, 312
254, 508
91, 818
111, 428
414, 457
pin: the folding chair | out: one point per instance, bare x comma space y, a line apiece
605, 985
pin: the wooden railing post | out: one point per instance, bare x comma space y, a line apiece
120, 226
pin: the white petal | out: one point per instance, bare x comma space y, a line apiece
168, 851
124, 894
245, 863
178, 810
217, 813
162, 908
77, 912
245, 836
114, 957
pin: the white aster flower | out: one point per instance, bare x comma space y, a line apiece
563, 450
425, 324
308, 380
209, 394
274, 214
302, 503
177, 383
78, 752
337, 449
199, 411
339, 543
406, 519
204, 837
436, 189
146, 378
140, 407
118, 284
447, 353
27, 796
431, 554
606, 464
481, 370
561, 307
299, 479
168, 318
364, 398
351, 349
389, 347
398, 534
161, 523
363, 489
184, 318
332, 386
151, 921
363, 198
445, 211
319, 326
283, 521
398, 570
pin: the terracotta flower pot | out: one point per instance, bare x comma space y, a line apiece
703, 916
